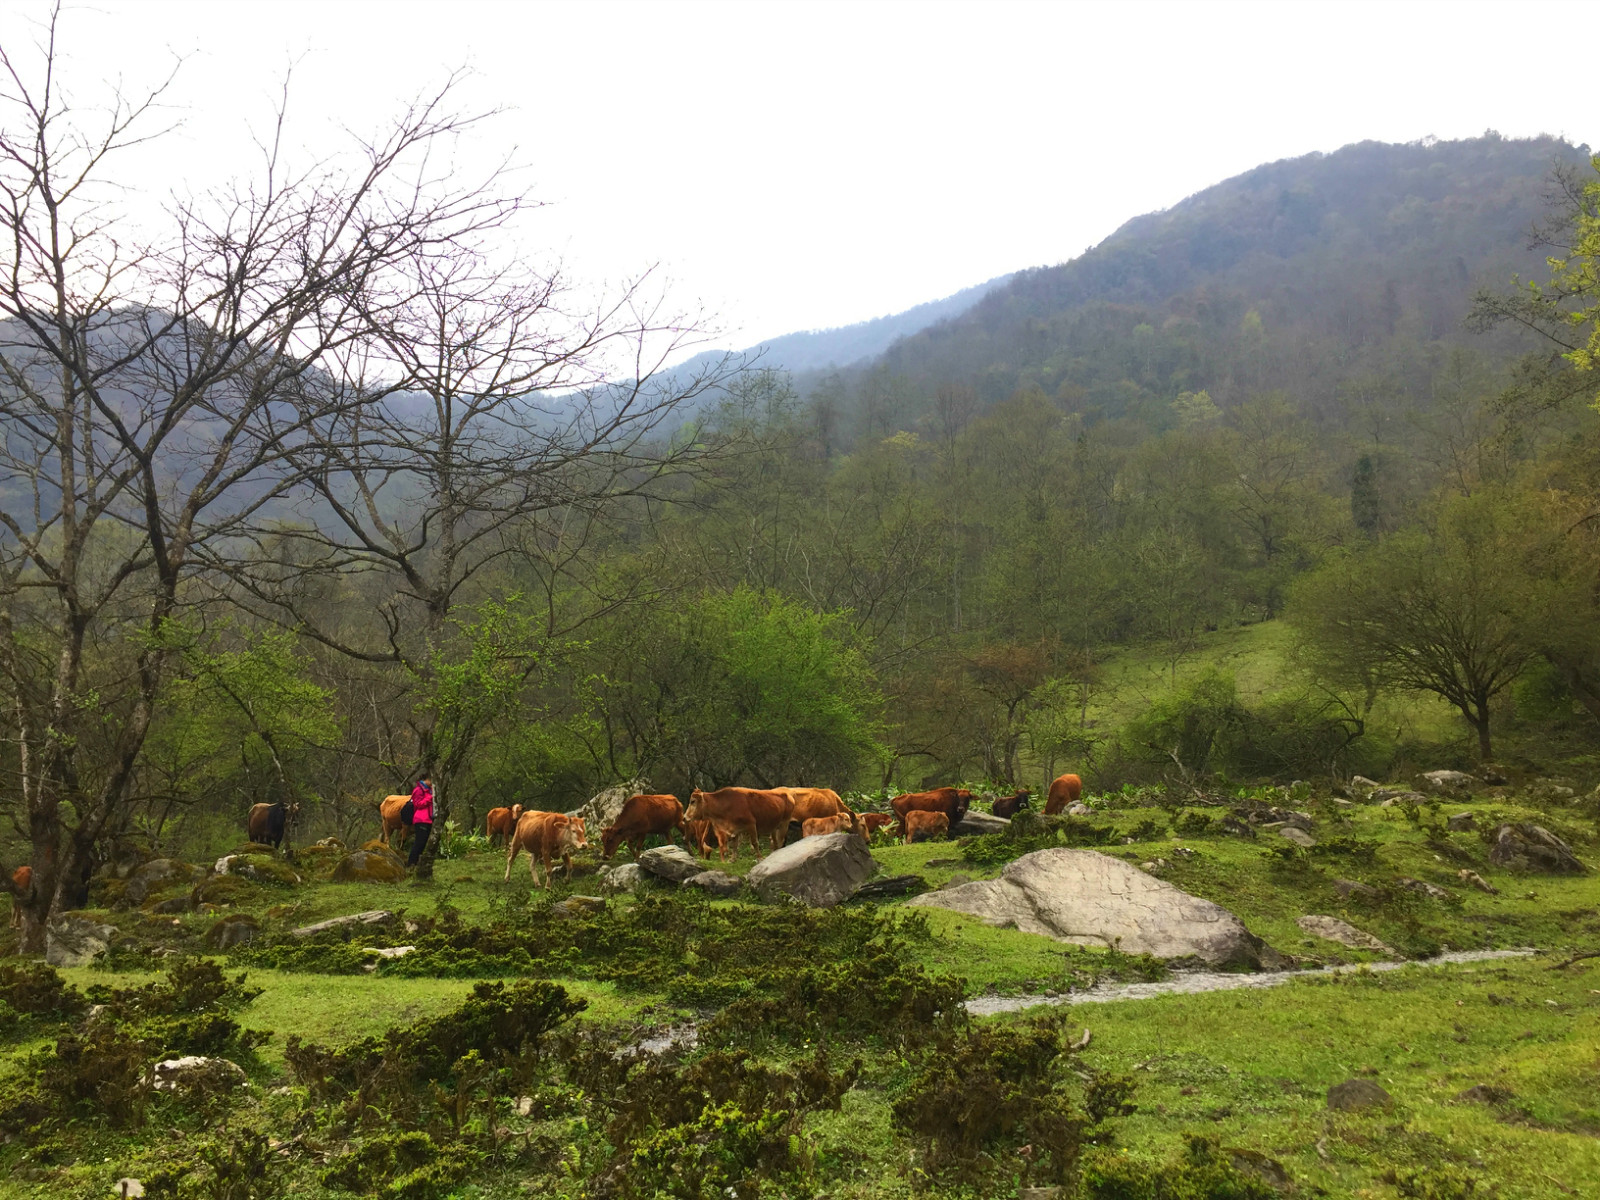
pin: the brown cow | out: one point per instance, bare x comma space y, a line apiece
502, 822
812, 802
925, 826
952, 802
389, 812
21, 883
870, 823
641, 816
822, 826
267, 822
736, 812
1007, 806
1063, 792
698, 834
544, 835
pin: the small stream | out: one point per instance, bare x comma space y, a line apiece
1189, 983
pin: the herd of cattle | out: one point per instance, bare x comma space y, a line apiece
734, 814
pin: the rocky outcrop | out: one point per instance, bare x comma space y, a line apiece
1346, 934
1446, 783
1358, 1095
1095, 900
76, 941
158, 874
891, 885
369, 866
624, 878
1529, 847
372, 919
602, 809
716, 883
817, 871
233, 930
672, 863
1293, 833
262, 868
976, 823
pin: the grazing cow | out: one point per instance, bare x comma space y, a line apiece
812, 802
736, 812
21, 884
952, 802
501, 823
924, 826
1063, 792
268, 821
389, 812
870, 823
544, 835
822, 826
641, 816
1007, 806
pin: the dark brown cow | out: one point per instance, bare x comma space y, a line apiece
1007, 806
641, 816
501, 823
750, 813
952, 802
21, 883
925, 826
1063, 792
872, 822
544, 835
267, 822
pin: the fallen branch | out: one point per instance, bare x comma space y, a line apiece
1576, 958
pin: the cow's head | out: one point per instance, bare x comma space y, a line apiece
516, 814
963, 802
575, 837
693, 811
610, 839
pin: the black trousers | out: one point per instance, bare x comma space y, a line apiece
419, 840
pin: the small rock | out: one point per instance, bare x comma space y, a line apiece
1231, 824
626, 877
1252, 1162
1473, 879
76, 941
373, 917
387, 951
894, 885
1395, 799
128, 1188
1355, 1095
369, 866
1460, 823
236, 929
1350, 887
1422, 887
1360, 783
1446, 782
672, 863
976, 823
1293, 833
1529, 847
192, 1072
177, 904
1493, 776
717, 883
578, 906
1483, 1093
1338, 803
1334, 930
1079, 809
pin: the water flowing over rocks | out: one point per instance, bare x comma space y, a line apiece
818, 871
1095, 900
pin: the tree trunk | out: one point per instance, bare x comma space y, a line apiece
1480, 721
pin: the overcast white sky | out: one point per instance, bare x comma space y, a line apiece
797, 166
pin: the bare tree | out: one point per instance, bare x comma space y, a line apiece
152, 392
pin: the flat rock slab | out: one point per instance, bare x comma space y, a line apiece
1093, 899
817, 871
672, 863
1447, 781
373, 917
1346, 934
76, 941
578, 906
975, 824
716, 883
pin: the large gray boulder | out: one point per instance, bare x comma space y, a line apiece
1529, 847
818, 871
1095, 900
976, 823
159, 873
602, 808
626, 877
76, 941
1446, 783
672, 863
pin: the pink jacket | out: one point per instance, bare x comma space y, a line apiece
421, 806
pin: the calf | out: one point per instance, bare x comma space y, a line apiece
812, 802
21, 885
267, 822
501, 823
822, 826
544, 835
1064, 791
952, 802
925, 826
641, 816
1007, 806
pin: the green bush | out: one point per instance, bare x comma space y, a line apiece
1202, 1172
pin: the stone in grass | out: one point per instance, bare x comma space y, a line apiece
715, 883
233, 930
371, 918
817, 871
1334, 930
672, 863
1350, 887
1529, 847
76, 941
368, 866
1483, 1093
1421, 887
1293, 833
159, 873
624, 878
1358, 1095
578, 906
1252, 1162
194, 1073
897, 885
976, 824
1460, 823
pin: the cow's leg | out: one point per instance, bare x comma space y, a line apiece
567, 858
511, 856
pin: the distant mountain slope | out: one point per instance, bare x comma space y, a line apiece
1302, 274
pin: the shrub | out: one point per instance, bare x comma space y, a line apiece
406, 1166
1202, 1172
35, 989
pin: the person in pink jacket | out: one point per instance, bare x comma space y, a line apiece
421, 818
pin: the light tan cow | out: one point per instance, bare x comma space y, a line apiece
544, 835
